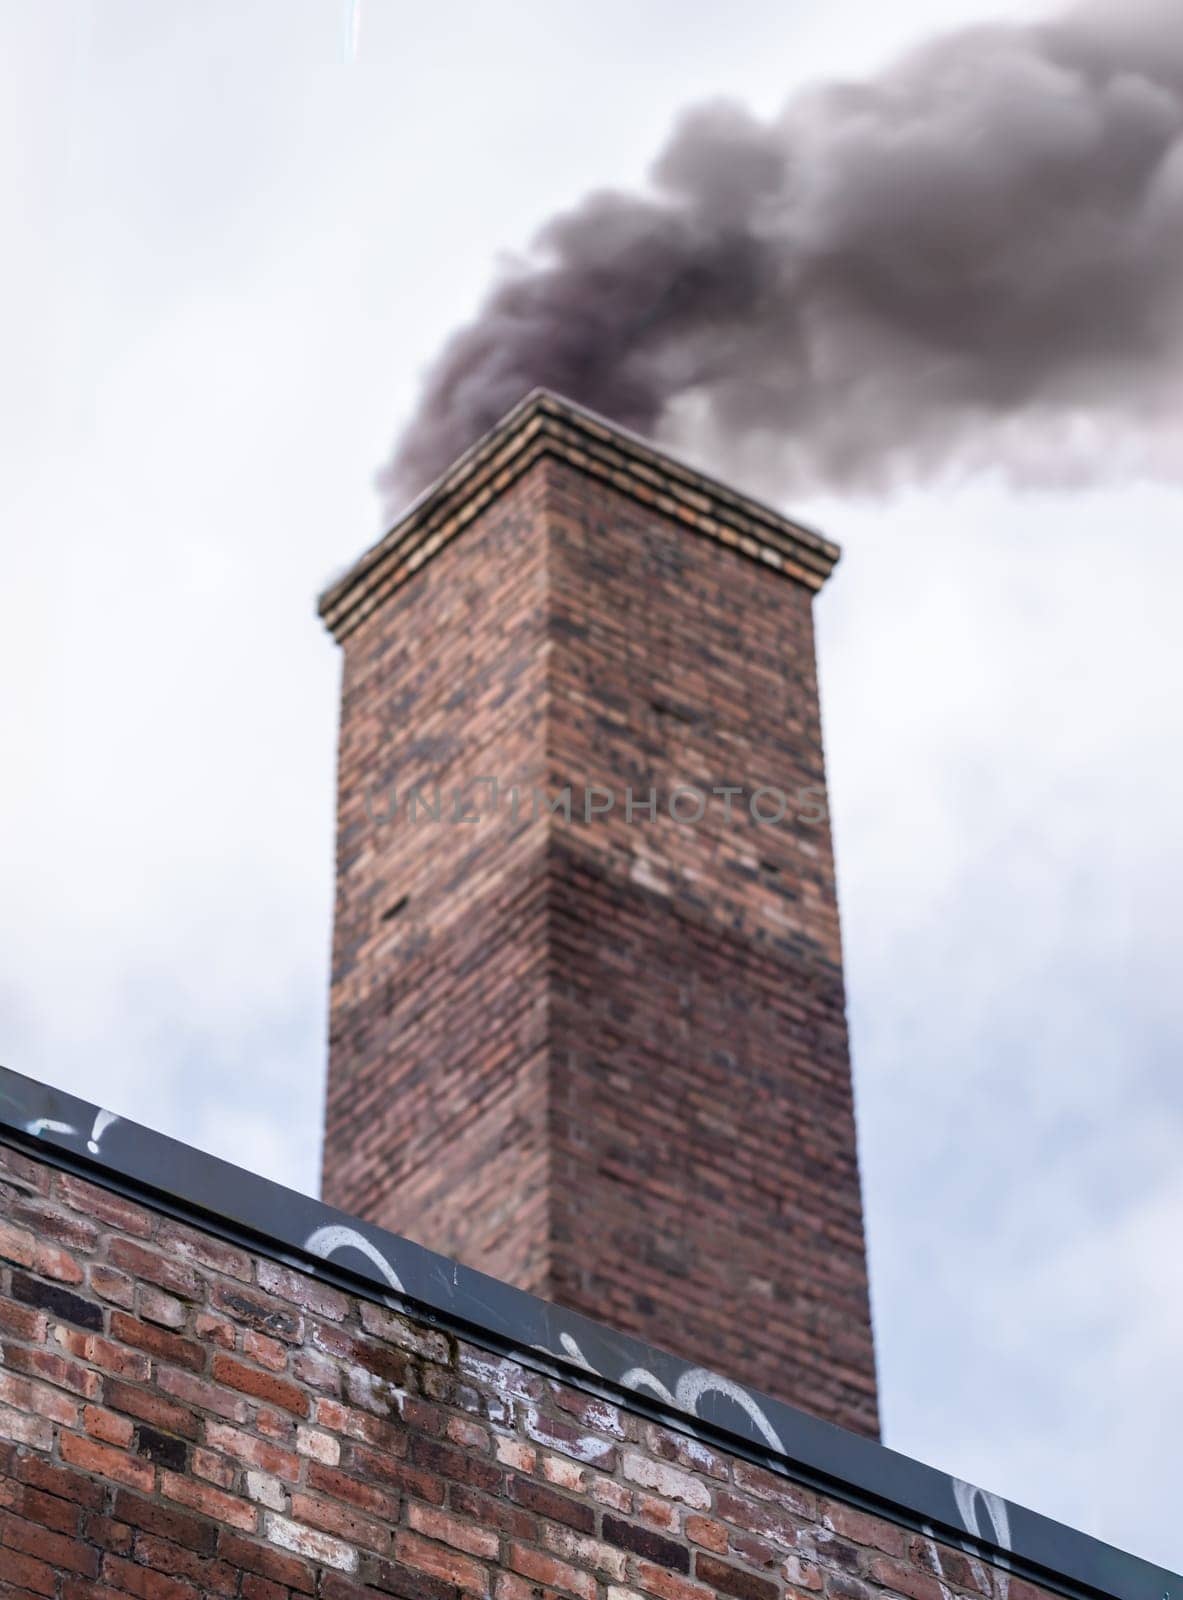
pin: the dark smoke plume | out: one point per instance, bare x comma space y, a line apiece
973, 260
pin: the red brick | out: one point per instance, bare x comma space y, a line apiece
111, 1285
159, 1342
202, 1396
860, 1528
202, 1249
252, 1451
290, 1571
266, 1352
214, 1330
164, 1271
670, 1585
729, 1580
23, 1172
100, 1352
49, 1221
260, 1385
36, 1506
302, 1290
153, 1305
60, 1551
54, 1369
105, 1462
16, 1244
24, 1429
445, 1529
210, 1577
107, 1426
38, 1399
548, 1569
132, 1579
210, 1502
147, 1406
56, 1480
367, 1496
550, 1504
440, 1562
99, 1205
53, 1262
26, 1572
903, 1579
329, 1516
178, 1527
22, 1322
706, 1531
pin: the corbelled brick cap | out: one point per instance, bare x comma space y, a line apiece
543, 424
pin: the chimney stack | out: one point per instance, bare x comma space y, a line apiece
585, 1036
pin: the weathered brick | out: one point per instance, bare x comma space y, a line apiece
150, 1407
549, 1503
302, 1290
645, 1542
433, 1523
203, 1250
730, 1580
57, 1301
227, 1369
260, 1311
170, 1347
309, 1542
251, 1451
162, 1448
165, 1271
100, 1205
548, 1569
208, 1500
106, 1462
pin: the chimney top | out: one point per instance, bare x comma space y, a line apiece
541, 424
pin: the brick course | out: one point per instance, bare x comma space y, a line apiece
461, 1474
604, 1061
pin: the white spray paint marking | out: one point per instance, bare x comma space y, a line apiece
698, 1381
934, 1551
326, 1241
641, 1378
996, 1511
694, 1383
574, 1354
48, 1125
103, 1121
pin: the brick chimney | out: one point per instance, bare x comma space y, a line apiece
600, 1055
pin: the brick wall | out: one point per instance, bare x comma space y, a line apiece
435, 1122
606, 1061
180, 1419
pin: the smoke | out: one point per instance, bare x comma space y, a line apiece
972, 261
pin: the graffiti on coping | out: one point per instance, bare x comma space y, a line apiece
994, 1523
692, 1386
326, 1241
984, 1515
40, 1126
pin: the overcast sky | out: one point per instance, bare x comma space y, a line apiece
230, 251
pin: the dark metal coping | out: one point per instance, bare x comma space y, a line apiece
301, 1232
547, 424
